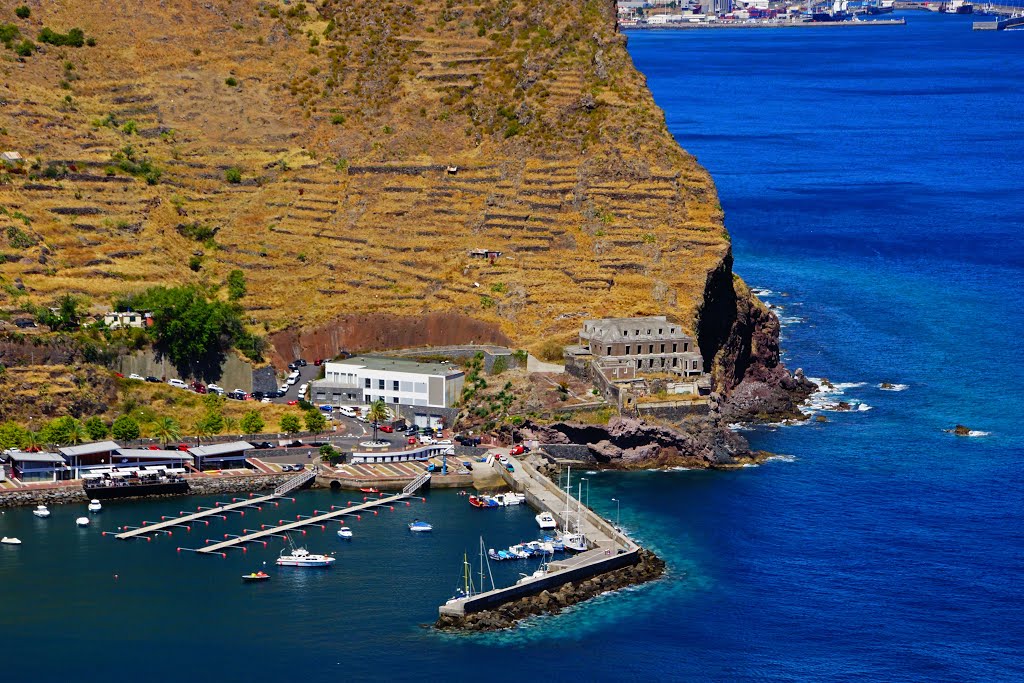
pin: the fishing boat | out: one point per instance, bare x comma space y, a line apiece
576, 542
82, 521
482, 502
94, 505
300, 557
345, 532
417, 525
10, 540
256, 576
370, 490
41, 511
504, 499
546, 520
539, 573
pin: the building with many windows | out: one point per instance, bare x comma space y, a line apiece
630, 346
396, 381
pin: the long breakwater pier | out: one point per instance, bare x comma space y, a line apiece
407, 492
610, 549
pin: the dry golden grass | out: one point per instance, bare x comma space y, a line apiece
597, 210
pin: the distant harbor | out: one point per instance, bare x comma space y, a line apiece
769, 23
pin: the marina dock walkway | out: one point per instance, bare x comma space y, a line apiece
407, 492
286, 487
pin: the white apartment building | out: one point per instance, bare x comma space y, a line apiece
396, 381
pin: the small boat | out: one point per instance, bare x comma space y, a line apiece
82, 521
370, 490
10, 540
94, 505
417, 525
41, 511
300, 557
576, 542
482, 502
345, 532
546, 520
504, 499
256, 576
540, 573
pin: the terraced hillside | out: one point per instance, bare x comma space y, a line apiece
348, 155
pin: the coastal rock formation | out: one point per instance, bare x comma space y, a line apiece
630, 443
649, 568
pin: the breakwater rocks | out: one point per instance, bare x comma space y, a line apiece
649, 567
631, 443
198, 486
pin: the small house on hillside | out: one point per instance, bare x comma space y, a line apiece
489, 254
122, 319
11, 159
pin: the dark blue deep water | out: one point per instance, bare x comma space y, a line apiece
871, 180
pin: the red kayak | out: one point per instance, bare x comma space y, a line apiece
370, 490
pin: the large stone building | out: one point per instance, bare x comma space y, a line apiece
625, 347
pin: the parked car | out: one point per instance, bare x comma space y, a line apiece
238, 395
302, 389
518, 449
318, 362
347, 411
387, 429
426, 440
292, 379
411, 440
263, 445
257, 395
151, 378
301, 362
177, 384
199, 387
24, 323
138, 377
295, 443
327, 409
215, 388
293, 402
183, 447
153, 447
293, 366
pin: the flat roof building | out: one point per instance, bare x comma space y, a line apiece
221, 455
648, 344
396, 381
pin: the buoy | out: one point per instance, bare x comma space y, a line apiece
224, 555
407, 503
359, 516
374, 512
391, 507
115, 577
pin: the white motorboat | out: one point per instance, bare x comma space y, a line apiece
41, 511
300, 557
576, 542
504, 499
82, 521
417, 525
546, 520
345, 532
94, 505
10, 540
541, 572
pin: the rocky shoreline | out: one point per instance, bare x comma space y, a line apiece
649, 568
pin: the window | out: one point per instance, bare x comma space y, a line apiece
394, 385
607, 350
662, 362
685, 346
638, 333
694, 365
625, 333
650, 348
674, 346
659, 330
380, 384
663, 348
675, 362
396, 399
627, 350
366, 383
672, 330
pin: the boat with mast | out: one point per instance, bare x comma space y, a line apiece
466, 588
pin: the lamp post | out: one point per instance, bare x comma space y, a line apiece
616, 500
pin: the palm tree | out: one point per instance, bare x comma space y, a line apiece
77, 433
377, 412
33, 442
166, 429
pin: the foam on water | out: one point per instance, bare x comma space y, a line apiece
894, 387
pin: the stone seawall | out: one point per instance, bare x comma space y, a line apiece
649, 567
198, 486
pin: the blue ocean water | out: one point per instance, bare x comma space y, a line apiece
871, 177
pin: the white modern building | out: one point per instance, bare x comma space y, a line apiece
396, 381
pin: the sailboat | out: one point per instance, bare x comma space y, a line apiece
466, 588
574, 540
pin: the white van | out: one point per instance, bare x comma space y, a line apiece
347, 411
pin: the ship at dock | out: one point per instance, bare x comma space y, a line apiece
132, 483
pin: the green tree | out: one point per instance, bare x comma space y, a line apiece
230, 424
290, 424
63, 431
252, 422
96, 428
64, 317
166, 429
125, 428
211, 423
328, 452
236, 285
315, 421
233, 174
22, 12
377, 413
13, 435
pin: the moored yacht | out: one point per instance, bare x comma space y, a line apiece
546, 520
94, 505
344, 532
300, 557
82, 521
41, 511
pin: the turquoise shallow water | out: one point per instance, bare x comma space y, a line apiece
871, 175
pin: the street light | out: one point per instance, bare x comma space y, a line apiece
616, 500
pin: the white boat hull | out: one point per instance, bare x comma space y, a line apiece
546, 521
286, 562
82, 521
7, 540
